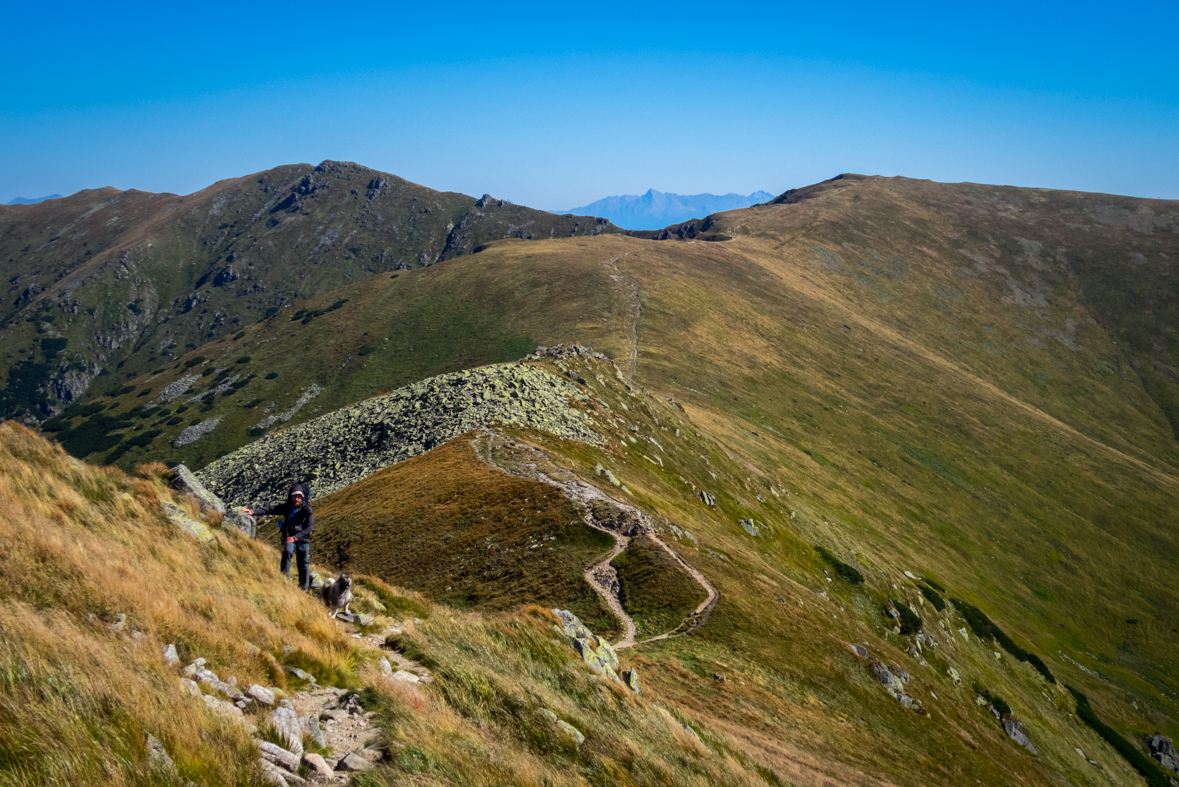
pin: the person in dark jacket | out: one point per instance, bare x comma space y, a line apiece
297, 524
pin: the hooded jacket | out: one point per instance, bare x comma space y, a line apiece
297, 521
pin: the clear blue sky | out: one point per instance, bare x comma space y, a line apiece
555, 105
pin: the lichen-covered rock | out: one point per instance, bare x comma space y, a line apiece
572, 732
171, 658
176, 516
631, 678
594, 651
341, 448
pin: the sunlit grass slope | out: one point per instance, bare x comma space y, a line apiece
464, 534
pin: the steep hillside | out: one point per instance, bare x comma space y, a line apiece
119, 283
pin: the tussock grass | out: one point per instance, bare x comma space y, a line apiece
83, 544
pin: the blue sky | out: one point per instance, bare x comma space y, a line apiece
557, 105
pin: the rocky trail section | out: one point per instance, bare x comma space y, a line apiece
601, 512
339, 449
316, 734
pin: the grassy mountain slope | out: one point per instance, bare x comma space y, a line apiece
79, 694
959, 381
123, 282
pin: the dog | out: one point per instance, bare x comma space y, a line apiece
338, 595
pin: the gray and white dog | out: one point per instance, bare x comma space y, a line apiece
338, 595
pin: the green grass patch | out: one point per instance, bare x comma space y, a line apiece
985, 629
653, 589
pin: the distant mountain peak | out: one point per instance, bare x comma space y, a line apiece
31, 201
657, 209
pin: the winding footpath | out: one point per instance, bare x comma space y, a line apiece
601, 576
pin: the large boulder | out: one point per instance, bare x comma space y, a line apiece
1014, 730
1163, 750
185, 482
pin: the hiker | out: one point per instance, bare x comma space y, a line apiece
297, 524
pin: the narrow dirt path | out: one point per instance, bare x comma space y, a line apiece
530, 462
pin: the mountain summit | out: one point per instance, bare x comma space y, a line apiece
657, 209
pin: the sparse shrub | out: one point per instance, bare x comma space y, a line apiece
271, 376
181, 409
174, 420
145, 438
239, 335
253, 403
191, 362
933, 585
210, 370
910, 620
298, 315
257, 431
126, 389
1133, 755
845, 572
932, 596
244, 359
366, 349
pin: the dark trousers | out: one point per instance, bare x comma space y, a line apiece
303, 551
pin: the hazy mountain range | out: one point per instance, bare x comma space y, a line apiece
656, 209
31, 201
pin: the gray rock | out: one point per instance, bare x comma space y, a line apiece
260, 694
857, 649
190, 687
185, 482
272, 774
1163, 750
171, 658
278, 755
1014, 730
548, 714
310, 725
707, 498
372, 754
118, 623
287, 725
386, 667
750, 527
300, 674
318, 766
631, 678
157, 756
572, 732
354, 762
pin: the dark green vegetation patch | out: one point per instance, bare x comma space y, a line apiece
1143, 764
985, 630
934, 598
845, 572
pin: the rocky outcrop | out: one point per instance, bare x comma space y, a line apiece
341, 448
